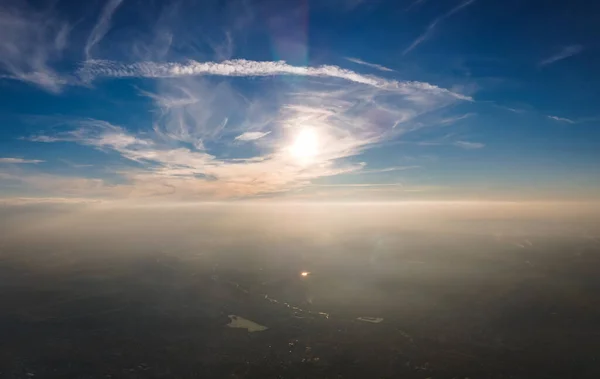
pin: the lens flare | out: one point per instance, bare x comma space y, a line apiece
305, 145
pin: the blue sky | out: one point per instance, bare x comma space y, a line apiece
299, 100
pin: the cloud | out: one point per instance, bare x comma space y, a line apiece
196, 110
41, 138
251, 136
30, 41
469, 145
75, 165
513, 110
20, 161
429, 31
349, 118
452, 120
566, 52
246, 68
102, 26
580, 120
389, 169
373, 65
99, 134
193, 150
186, 173
561, 119
223, 50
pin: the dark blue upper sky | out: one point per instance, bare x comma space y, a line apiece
299, 100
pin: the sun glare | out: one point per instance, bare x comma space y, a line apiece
305, 145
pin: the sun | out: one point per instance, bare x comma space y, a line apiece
305, 145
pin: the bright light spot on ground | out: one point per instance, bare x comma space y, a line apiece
305, 273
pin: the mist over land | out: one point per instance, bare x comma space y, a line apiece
464, 288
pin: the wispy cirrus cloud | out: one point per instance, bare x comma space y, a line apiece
41, 138
224, 49
432, 26
389, 169
195, 111
454, 119
30, 41
20, 161
372, 65
102, 26
348, 118
564, 53
469, 145
579, 120
197, 125
251, 136
188, 173
511, 109
561, 119
246, 68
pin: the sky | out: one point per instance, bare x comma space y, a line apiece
331, 100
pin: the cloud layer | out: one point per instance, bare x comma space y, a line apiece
31, 40
179, 160
218, 129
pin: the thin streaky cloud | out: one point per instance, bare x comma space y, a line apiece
452, 120
388, 169
20, 161
75, 165
513, 110
429, 31
469, 145
360, 185
566, 52
223, 50
31, 40
372, 65
251, 136
247, 68
561, 119
40, 138
102, 26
